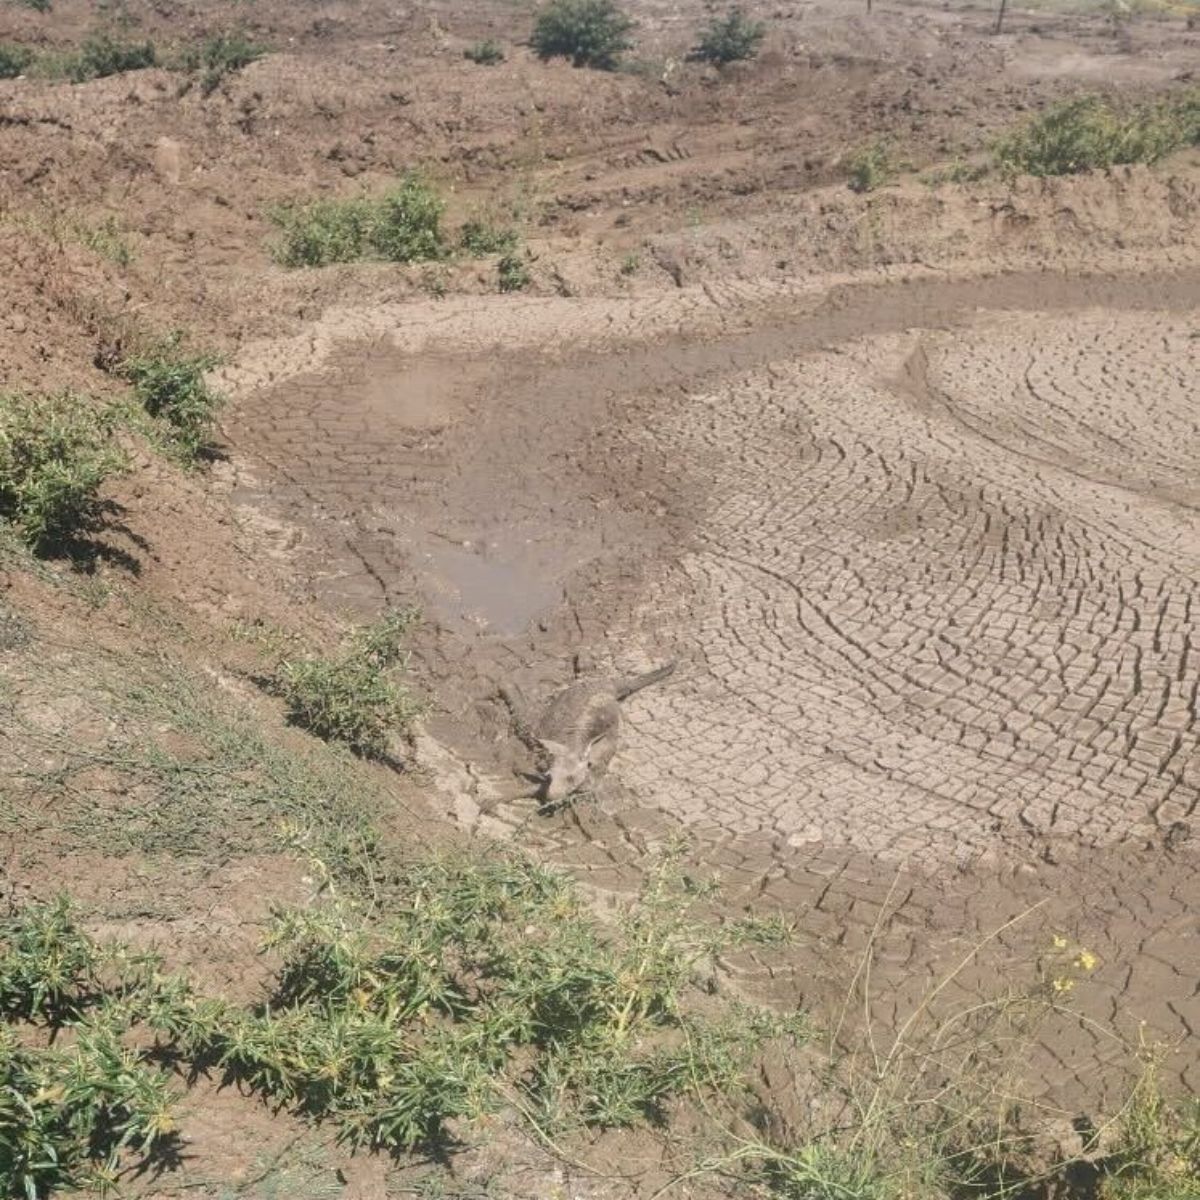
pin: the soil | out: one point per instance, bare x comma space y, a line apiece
904, 480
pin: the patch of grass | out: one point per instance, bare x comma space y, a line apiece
105, 238
1091, 133
488, 53
68, 1117
487, 985
483, 983
217, 57
196, 779
959, 171
732, 38
512, 273
630, 264
1156, 1151
871, 167
13, 60
101, 55
403, 225
169, 385
356, 698
591, 33
56, 452
480, 238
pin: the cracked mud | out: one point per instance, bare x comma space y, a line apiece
928, 552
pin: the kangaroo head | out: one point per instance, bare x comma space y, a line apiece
569, 770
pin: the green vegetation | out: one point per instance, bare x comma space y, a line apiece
481, 238
42, 6
730, 39
871, 167
55, 454
591, 33
512, 272
169, 385
67, 1117
488, 984
402, 225
1091, 132
13, 60
488, 53
355, 698
101, 55
219, 56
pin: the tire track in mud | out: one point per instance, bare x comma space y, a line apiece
930, 554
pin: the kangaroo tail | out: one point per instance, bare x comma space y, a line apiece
629, 686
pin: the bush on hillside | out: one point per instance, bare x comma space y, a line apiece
55, 453
591, 33
733, 38
13, 60
169, 385
485, 54
403, 225
1090, 133
102, 55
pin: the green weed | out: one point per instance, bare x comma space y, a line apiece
56, 452
169, 385
1090, 133
480, 238
402, 225
485, 984
733, 38
221, 55
101, 55
512, 272
488, 53
871, 167
355, 698
591, 33
630, 264
13, 60
105, 238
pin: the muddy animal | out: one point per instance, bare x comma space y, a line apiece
579, 730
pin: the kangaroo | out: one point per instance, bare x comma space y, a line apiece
579, 729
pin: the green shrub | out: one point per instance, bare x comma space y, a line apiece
356, 698
42, 6
403, 225
512, 273
486, 54
68, 1117
482, 238
55, 453
489, 978
871, 167
102, 55
591, 33
218, 56
731, 39
1090, 133
169, 385
13, 60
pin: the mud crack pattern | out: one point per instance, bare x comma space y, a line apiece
943, 595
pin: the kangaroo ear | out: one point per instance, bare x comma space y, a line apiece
554, 748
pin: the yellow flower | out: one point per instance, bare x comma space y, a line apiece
1062, 984
1087, 960
1060, 942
